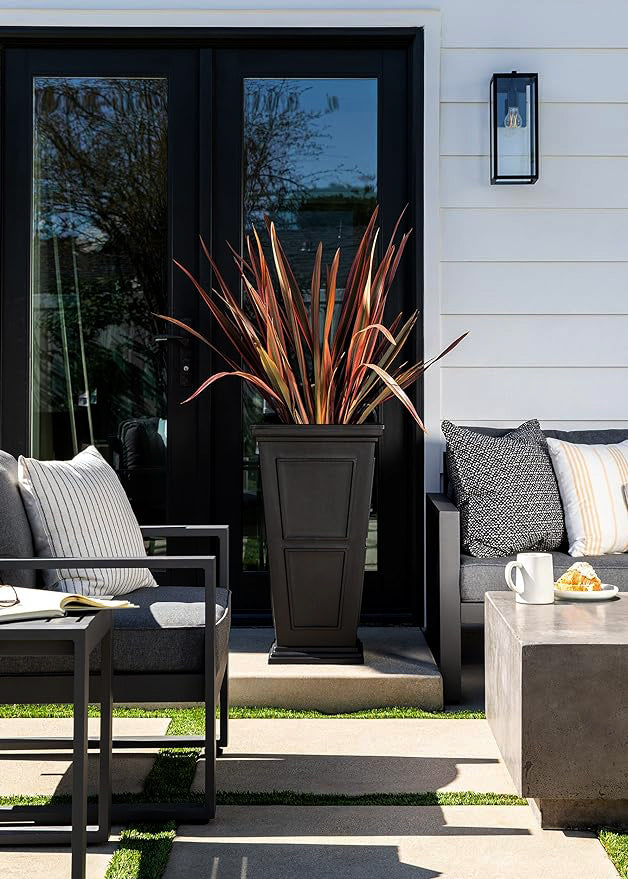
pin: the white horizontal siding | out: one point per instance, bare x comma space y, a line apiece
532, 235
486, 394
564, 23
551, 288
578, 75
537, 340
566, 183
584, 129
538, 274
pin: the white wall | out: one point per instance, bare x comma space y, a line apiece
538, 274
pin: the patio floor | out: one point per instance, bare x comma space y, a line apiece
330, 756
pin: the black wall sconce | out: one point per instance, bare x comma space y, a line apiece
514, 102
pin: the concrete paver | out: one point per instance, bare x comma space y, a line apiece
52, 863
452, 842
361, 756
49, 772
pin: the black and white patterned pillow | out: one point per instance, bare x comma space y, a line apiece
505, 489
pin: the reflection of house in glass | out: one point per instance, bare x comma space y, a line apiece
99, 273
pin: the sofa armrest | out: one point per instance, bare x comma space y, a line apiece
441, 504
220, 532
442, 565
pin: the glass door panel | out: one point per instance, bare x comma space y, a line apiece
310, 159
99, 275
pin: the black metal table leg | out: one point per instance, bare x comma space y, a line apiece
106, 736
223, 736
79, 763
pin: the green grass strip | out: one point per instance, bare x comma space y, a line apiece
144, 849
174, 792
143, 852
400, 713
430, 798
191, 721
616, 845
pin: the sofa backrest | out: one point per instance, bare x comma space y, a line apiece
16, 540
603, 436
595, 436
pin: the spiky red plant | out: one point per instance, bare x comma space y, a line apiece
308, 376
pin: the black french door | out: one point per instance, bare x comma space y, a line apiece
314, 138
100, 153
115, 160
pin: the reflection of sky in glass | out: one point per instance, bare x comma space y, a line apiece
350, 129
307, 139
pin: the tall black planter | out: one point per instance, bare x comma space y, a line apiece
317, 482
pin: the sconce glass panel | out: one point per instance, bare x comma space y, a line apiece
514, 128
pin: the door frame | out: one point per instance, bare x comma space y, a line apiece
204, 40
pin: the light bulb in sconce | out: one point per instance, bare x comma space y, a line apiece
513, 118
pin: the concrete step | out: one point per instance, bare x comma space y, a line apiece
398, 669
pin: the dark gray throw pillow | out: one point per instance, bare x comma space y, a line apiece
505, 489
16, 540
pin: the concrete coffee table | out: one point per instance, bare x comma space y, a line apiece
557, 704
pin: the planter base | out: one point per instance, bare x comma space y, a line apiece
312, 655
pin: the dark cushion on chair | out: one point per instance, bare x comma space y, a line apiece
16, 540
165, 634
167, 631
478, 576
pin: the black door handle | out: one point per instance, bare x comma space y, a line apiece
183, 360
172, 337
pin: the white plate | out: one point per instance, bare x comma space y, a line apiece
604, 594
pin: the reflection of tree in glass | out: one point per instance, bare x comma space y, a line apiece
101, 226
280, 137
296, 173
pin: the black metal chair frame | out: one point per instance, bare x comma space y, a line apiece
145, 687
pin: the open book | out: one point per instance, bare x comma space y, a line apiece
35, 604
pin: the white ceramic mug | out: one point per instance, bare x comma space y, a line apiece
534, 580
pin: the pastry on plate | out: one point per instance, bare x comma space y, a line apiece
580, 577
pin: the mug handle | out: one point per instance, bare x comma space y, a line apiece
508, 576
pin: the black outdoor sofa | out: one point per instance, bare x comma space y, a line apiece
456, 583
162, 652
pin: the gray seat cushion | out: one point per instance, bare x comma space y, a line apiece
165, 634
478, 576
16, 540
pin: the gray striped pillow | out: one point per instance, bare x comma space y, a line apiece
79, 508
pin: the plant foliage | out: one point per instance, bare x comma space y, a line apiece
332, 363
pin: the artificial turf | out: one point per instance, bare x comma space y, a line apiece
143, 852
616, 844
429, 798
191, 721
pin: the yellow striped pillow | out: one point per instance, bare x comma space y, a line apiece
593, 484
